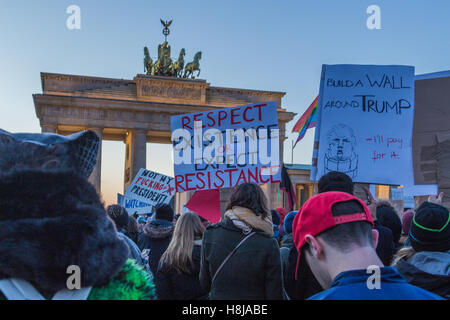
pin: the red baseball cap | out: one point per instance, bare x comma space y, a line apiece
316, 216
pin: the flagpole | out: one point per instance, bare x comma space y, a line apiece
292, 151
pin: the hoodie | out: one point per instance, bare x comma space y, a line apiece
428, 270
156, 238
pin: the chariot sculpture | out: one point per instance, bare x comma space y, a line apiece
165, 66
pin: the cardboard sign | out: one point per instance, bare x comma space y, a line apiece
226, 147
409, 202
365, 119
432, 99
120, 199
397, 194
147, 190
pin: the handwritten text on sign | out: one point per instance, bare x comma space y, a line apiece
365, 116
151, 188
226, 147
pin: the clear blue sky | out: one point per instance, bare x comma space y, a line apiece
255, 44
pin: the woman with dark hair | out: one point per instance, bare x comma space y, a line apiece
240, 258
388, 217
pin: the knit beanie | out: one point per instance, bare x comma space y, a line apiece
288, 220
430, 228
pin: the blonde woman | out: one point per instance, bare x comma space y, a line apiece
177, 277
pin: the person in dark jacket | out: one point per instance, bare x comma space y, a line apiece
253, 272
426, 263
276, 220
282, 212
287, 243
157, 235
388, 217
385, 248
120, 217
179, 267
133, 229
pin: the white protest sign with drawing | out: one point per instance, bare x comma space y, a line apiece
147, 190
365, 119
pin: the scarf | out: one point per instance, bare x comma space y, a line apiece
246, 220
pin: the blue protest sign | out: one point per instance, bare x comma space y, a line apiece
226, 147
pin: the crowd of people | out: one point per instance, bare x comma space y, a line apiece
335, 247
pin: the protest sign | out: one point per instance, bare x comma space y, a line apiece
397, 194
120, 199
206, 203
431, 135
365, 119
132, 205
409, 202
226, 147
135, 206
147, 190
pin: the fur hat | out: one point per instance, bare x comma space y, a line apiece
49, 152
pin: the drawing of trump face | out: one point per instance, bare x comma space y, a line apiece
341, 143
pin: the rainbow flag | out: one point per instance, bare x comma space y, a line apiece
306, 121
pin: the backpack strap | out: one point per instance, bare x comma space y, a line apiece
229, 255
18, 289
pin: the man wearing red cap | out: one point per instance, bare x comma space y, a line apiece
334, 230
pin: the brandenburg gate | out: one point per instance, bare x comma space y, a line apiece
136, 111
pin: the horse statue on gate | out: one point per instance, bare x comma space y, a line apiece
148, 62
162, 66
193, 66
178, 66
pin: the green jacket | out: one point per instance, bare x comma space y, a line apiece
252, 273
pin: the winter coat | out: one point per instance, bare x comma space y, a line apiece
385, 248
63, 223
156, 238
286, 246
428, 270
306, 284
135, 252
174, 285
252, 273
352, 285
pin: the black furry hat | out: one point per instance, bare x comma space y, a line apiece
51, 220
164, 212
49, 151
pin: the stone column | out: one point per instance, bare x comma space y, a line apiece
49, 128
136, 154
96, 176
275, 187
